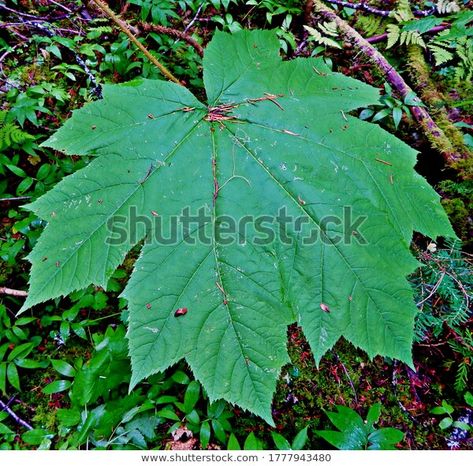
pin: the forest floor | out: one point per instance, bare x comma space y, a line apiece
53, 58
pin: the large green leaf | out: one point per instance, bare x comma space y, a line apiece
276, 135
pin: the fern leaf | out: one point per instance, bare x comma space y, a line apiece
320, 39
441, 55
393, 35
447, 6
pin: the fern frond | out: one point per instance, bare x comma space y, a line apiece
440, 54
102, 29
447, 6
461, 377
329, 28
394, 34
370, 24
320, 39
11, 134
403, 11
464, 71
411, 38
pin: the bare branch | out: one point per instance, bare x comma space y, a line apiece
12, 292
7, 409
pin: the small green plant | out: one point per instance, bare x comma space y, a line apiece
160, 11
354, 433
390, 106
446, 275
275, 8
444, 292
298, 443
462, 345
17, 350
251, 442
447, 410
11, 135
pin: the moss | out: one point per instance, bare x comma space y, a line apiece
435, 99
305, 392
458, 214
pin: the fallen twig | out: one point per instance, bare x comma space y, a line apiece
350, 381
432, 292
431, 130
194, 19
12, 292
394, 385
7, 409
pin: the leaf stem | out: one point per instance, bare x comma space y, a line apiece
123, 26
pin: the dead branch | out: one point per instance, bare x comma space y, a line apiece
7, 409
12, 292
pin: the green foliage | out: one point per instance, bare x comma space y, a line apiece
463, 346
17, 348
233, 344
102, 416
67, 333
449, 45
400, 37
447, 410
390, 106
160, 11
441, 54
369, 24
252, 442
421, 25
444, 293
458, 202
447, 6
464, 51
324, 34
277, 7
297, 444
445, 50
447, 275
356, 434
11, 135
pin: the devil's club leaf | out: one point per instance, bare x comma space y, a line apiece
276, 140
